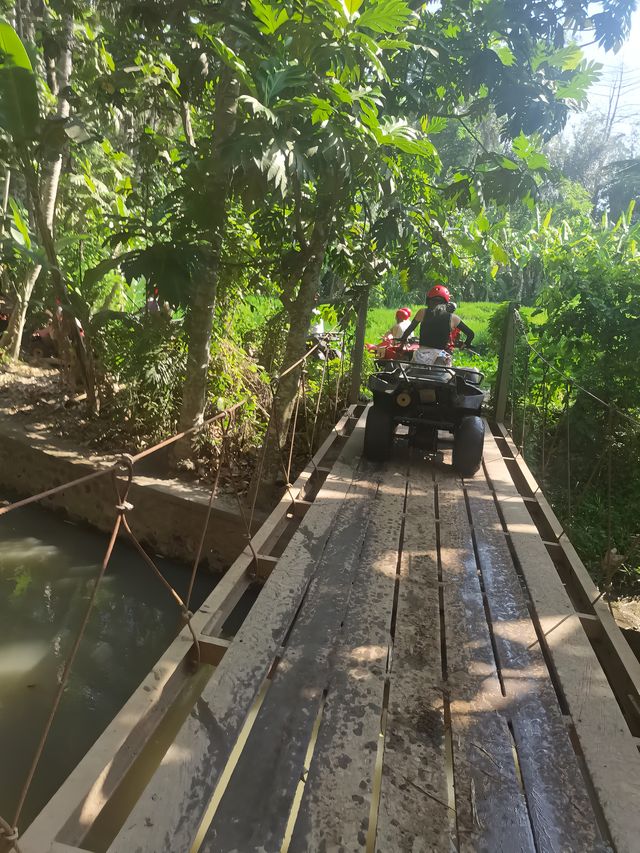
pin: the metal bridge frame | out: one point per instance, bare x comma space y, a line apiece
65, 822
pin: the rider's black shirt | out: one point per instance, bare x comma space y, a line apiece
435, 329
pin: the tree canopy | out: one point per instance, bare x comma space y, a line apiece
212, 155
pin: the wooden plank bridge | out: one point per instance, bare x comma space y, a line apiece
427, 668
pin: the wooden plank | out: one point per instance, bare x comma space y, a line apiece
212, 649
264, 566
167, 816
254, 810
607, 745
491, 813
561, 812
621, 648
236, 579
300, 508
413, 815
336, 803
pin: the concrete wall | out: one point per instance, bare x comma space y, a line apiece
167, 515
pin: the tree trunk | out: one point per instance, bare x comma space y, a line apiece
44, 201
12, 336
187, 127
203, 301
357, 354
299, 316
4, 278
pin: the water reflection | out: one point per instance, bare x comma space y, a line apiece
47, 569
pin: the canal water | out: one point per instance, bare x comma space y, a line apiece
47, 568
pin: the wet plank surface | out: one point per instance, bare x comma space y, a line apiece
409, 706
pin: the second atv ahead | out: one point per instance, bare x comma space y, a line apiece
427, 398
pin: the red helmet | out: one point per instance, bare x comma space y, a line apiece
439, 291
403, 314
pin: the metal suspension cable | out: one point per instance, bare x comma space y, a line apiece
8, 832
9, 835
205, 527
609, 502
317, 411
297, 363
56, 490
121, 507
273, 416
545, 403
572, 381
278, 425
340, 375
185, 613
293, 427
524, 409
568, 417
167, 441
112, 468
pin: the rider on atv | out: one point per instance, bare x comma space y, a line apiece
436, 326
401, 324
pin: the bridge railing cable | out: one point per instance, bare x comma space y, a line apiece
124, 467
545, 414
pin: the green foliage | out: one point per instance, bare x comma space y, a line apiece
401, 144
142, 363
589, 343
18, 92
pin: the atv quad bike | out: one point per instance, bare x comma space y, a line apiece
427, 398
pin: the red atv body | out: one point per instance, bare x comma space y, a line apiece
389, 349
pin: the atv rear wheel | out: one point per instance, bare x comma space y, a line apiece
378, 434
468, 444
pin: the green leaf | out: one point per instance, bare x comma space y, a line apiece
498, 253
565, 59
526, 150
19, 110
94, 274
384, 16
395, 44
400, 135
322, 112
433, 125
577, 88
482, 222
270, 19
259, 108
12, 48
352, 7
630, 209
233, 61
505, 54
20, 224
343, 93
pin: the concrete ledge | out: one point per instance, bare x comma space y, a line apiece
168, 514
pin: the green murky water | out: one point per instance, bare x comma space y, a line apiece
47, 568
